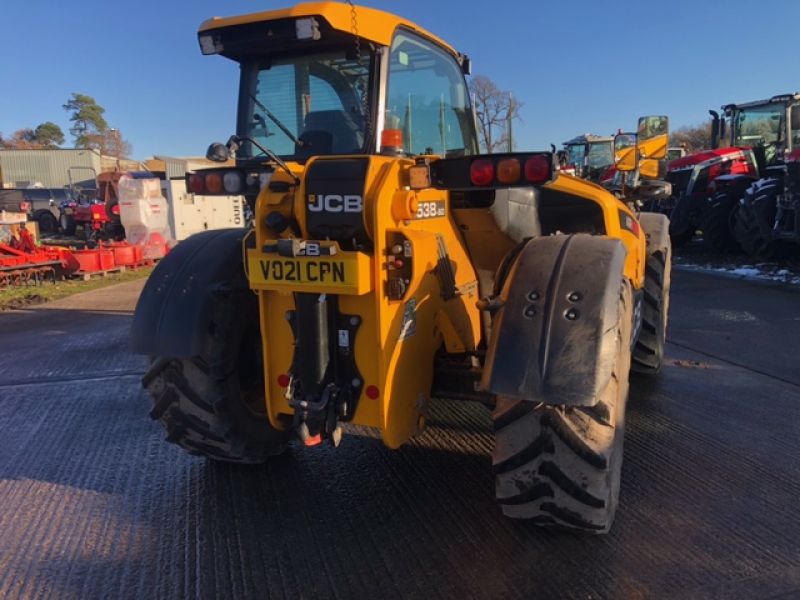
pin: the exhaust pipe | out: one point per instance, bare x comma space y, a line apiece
715, 129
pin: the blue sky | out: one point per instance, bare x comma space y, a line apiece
579, 66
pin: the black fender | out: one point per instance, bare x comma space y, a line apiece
175, 307
656, 230
733, 184
554, 336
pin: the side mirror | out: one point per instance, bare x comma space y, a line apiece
625, 152
653, 137
649, 168
218, 153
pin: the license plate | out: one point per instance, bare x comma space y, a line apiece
344, 273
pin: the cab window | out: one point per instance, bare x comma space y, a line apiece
427, 99
318, 97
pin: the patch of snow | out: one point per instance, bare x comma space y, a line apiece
745, 271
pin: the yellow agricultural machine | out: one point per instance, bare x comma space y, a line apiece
391, 266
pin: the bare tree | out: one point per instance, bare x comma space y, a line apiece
21, 139
113, 144
495, 110
692, 137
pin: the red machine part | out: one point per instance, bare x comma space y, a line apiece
21, 261
99, 259
126, 254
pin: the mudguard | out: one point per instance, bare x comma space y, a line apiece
734, 184
656, 230
554, 337
174, 309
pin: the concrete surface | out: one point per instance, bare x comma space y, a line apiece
94, 504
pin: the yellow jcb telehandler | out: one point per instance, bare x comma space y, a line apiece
391, 265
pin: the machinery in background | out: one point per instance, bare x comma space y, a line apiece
192, 213
589, 156
734, 195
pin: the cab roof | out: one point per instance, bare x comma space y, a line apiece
588, 138
374, 25
779, 99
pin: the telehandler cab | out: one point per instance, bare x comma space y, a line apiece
391, 264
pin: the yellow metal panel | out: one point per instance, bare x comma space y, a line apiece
635, 242
374, 25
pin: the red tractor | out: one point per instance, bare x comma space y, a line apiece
708, 185
96, 210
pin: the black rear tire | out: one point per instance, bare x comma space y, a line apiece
757, 209
717, 228
67, 224
681, 238
560, 465
47, 222
213, 404
648, 352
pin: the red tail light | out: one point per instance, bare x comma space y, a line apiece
115, 209
481, 172
197, 184
24, 206
537, 169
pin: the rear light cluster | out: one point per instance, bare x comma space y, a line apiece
535, 170
493, 171
24, 206
229, 182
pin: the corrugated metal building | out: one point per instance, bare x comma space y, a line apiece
176, 168
51, 168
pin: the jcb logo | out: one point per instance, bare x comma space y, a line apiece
334, 203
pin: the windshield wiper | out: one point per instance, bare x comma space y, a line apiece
277, 122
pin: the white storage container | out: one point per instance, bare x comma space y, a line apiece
144, 214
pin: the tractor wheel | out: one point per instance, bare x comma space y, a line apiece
560, 465
47, 222
213, 404
648, 353
717, 223
67, 224
681, 238
759, 205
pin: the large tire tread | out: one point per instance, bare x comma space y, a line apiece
747, 229
560, 466
198, 400
648, 352
717, 231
